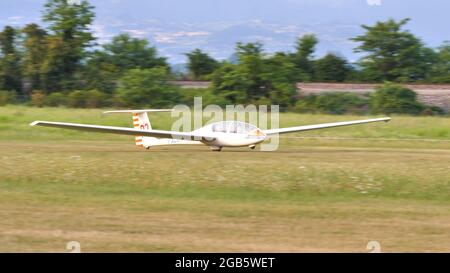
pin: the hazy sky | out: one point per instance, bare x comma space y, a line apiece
177, 26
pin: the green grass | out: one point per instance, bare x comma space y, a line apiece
313, 194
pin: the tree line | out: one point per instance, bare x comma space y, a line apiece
61, 64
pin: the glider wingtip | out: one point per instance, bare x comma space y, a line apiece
34, 123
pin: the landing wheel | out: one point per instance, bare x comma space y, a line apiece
148, 147
216, 149
252, 147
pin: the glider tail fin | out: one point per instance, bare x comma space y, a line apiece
142, 122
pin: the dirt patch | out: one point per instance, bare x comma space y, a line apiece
430, 94
436, 95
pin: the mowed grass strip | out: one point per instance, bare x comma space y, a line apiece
318, 194
114, 197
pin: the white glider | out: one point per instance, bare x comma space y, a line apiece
216, 135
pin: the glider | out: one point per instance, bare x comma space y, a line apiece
216, 135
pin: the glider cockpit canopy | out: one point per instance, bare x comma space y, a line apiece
233, 127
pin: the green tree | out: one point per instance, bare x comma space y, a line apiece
303, 57
229, 84
127, 53
101, 74
200, 64
52, 77
106, 66
332, 103
35, 45
256, 78
10, 73
391, 98
69, 24
393, 54
7, 97
251, 66
331, 68
280, 80
147, 87
440, 71
55, 99
241, 82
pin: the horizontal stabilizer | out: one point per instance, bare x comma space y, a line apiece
138, 111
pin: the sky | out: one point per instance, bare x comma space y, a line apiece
179, 26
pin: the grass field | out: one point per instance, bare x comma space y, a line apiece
322, 191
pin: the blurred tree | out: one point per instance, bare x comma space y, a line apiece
77, 99
69, 23
303, 57
126, 53
332, 103
147, 87
440, 71
37, 98
241, 82
52, 76
200, 64
280, 80
391, 98
35, 45
331, 68
251, 66
84, 99
55, 99
393, 54
105, 67
7, 97
100, 74
10, 74
256, 78
229, 84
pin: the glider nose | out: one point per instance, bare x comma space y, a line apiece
256, 133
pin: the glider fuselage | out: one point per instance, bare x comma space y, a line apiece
231, 134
